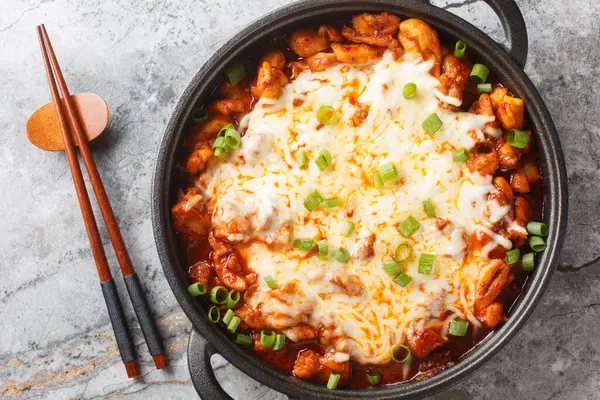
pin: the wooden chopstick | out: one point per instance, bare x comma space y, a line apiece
132, 282
111, 297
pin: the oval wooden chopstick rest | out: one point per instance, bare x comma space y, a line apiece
43, 129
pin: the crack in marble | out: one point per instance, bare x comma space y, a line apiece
577, 311
571, 269
460, 4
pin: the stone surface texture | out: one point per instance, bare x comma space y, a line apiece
56, 341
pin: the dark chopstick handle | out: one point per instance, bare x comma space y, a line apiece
117, 319
144, 316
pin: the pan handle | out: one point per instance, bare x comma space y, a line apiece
199, 353
513, 23
514, 27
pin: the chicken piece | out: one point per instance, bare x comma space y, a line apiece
250, 317
523, 212
330, 33
276, 58
483, 106
510, 111
321, 61
230, 271
361, 114
300, 332
454, 78
507, 156
227, 107
491, 279
220, 248
297, 67
484, 163
307, 42
307, 364
208, 130
350, 285
504, 189
331, 364
519, 182
493, 315
230, 221
200, 272
365, 247
497, 95
198, 159
420, 40
376, 39
357, 54
532, 172
190, 216
424, 341
269, 82
373, 24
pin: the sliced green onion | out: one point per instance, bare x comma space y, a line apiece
512, 256
267, 338
528, 262
279, 342
235, 73
373, 377
324, 160
243, 339
432, 124
517, 138
332, 202
220, 147
392, 267
327, 115
426, 264
199, 115
233, 324
218, 295
233, 138
459, 49
196, 289
537, 228
341, 255
409, 226
228, 317
405, 350
214, 314
388, 172
537, 244
377, 181
348, 228
429, 208
270, 282
403, 279
302, 159
402, 252
460, 155
313, 200
410, 90
458, 327
322, 248
333, 381
484, 88
479, 73
304, 244
233, 298
224, 130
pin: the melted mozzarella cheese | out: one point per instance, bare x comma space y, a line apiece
263, 189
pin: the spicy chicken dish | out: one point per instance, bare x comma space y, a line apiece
358, 206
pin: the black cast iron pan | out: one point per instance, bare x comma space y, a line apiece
507, 66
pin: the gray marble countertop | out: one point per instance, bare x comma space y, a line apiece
56, 341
